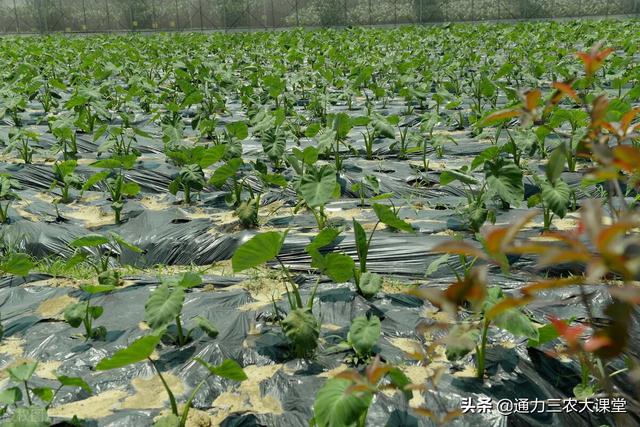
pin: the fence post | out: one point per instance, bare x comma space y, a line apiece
200, 9
131, 17
370, 18
45, 15
297, 15
395, 12
177, 15
84, 16
106, 3
346, 14
273, 15
154, 24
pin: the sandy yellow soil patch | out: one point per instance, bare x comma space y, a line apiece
407, 345
153, 204
20, 209
91, 216
418, 375
196, 417
331, 327
59, 282
47, 370
12, 346
53, 308
333, 372
247, 397
345, 213
254, 306
44, 370
264, 287
98, 406
150, 393
468, 372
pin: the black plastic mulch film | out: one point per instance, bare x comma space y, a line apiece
280, 392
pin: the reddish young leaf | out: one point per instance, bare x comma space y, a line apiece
531, 99
455, 247
506, 304
571, 334
499, 116
552, 284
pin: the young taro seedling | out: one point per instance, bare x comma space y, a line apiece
88, 106
83, 313
503, 181
103, 250
300, 326
367, 283
20, 375
142, 349
555, 194
371, 183
247, 211
361, 339
7, 195
344, 400
115, 182
65, 178
164, 307
192, 161
316, 187
20, 141
14, 263
376, 127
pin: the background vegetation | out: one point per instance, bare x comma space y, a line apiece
126, 15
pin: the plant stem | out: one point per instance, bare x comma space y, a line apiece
181, 339
172, 399
296, 292
26, 389
482, 349
187, 406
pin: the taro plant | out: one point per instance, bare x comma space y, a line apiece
15, 263
89, 107
65, 178
63, 129
502, 182
37, 399
495, 311
164, 308
120, 140
376, 127
317, 186
369, 183
192, 161
7, 195
363, 335
83, 313
21, 141
344, 400
300, 326
368, 283
13, 104
334, 136
247, 211
142, 350
117, 185
100, 251
226, 173
555, 194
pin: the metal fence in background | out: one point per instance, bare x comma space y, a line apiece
44, 16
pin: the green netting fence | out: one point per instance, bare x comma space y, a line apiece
44, 16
